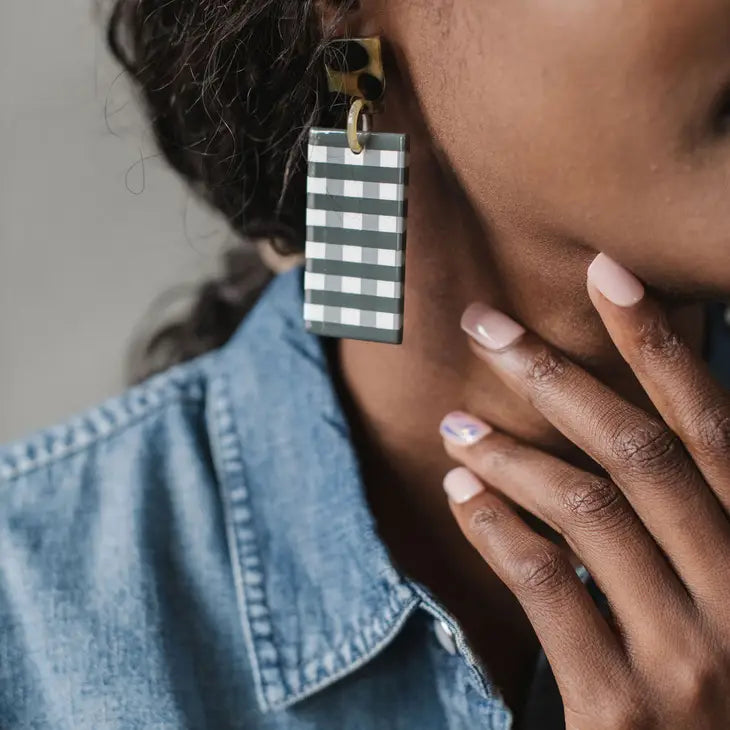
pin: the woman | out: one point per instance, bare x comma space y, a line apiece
259, 538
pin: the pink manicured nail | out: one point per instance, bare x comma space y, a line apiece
461, 485
490, 328
462, 429
615, 283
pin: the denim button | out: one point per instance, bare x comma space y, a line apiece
445, 636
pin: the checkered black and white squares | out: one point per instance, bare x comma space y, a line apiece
356, 236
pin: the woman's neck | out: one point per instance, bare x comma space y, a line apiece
454, 258
397, 395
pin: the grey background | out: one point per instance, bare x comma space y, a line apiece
89, 236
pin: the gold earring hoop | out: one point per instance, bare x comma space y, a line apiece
357, 112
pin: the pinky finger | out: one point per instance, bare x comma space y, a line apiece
584, 653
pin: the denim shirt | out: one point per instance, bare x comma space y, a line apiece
198, 553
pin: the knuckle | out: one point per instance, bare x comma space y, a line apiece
544, 366
593, 500
612, 717
648, 446
482, 518
656, 338
629, 715
496, 457
545, 570
713, 431
623, 704
628, 709
699, 682
620, 717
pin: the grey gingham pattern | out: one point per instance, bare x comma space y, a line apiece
356, 236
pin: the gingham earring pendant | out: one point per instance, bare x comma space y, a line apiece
356, 209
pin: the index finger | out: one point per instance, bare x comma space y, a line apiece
679, 383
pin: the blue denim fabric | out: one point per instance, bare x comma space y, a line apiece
198, 553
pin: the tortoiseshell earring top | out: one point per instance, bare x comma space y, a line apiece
355, 69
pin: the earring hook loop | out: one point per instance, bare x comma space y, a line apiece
357, 112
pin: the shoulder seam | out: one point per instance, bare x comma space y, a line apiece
185, 382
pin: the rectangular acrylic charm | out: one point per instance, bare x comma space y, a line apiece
356, 236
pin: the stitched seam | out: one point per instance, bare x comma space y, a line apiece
242, 547
100, 423
10, 474
272, 691
385, 638
478, 673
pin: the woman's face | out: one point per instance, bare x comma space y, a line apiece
606, 122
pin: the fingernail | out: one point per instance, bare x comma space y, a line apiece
490, 328
462, 429
461, 485
615, 283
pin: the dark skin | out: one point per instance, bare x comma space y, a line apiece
543, 134
655, 532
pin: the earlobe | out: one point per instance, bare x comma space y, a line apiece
347, 18
337, 17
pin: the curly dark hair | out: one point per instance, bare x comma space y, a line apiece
231, 88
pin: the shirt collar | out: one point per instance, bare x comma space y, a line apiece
318, 593
317, 590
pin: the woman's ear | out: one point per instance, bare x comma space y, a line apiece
348, 18
333, 16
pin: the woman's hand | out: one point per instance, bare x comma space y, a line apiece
655, 536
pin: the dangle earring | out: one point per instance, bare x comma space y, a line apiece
356, 208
